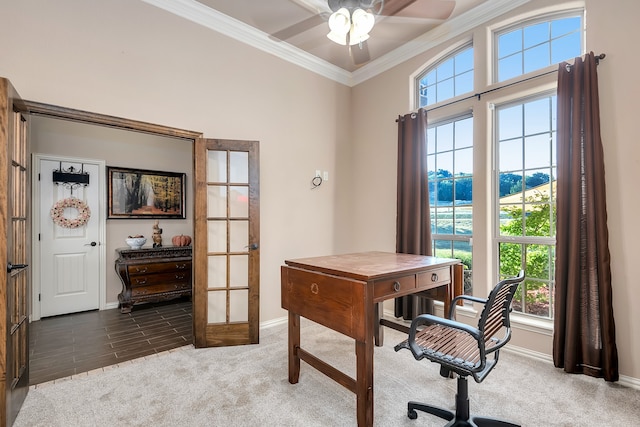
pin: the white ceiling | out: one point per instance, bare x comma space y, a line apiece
393, 38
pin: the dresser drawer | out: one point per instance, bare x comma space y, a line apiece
160, 288
387, 288
152, 279
160, 267
432, 279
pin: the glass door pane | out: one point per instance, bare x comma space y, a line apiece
227, 236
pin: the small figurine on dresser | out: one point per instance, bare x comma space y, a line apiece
157, 235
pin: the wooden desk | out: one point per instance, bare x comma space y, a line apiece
341, 292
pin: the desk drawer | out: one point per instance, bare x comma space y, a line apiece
335, 302
390, 287
435, 278
162, 267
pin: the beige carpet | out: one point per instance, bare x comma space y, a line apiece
247, 386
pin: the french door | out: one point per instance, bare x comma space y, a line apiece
15, 230
226, 284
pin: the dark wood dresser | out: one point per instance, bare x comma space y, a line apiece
153, 274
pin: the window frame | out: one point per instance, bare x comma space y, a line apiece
488, 92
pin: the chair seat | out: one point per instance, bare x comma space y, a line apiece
455, 347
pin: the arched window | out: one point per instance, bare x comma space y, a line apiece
450, 77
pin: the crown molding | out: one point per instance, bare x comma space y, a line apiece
210, 18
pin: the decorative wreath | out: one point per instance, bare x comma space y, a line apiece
57, 213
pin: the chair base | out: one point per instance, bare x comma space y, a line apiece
451, 417
461, 417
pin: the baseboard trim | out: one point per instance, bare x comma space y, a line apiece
274, 322
111, 305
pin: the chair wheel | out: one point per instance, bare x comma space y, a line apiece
412, 414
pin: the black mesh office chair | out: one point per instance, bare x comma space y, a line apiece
463, 349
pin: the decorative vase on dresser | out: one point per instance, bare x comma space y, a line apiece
153, 274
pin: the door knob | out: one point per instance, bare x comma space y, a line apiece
253, 246
11, 267
91, 244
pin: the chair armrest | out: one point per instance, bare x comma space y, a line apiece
470, 298
431, 319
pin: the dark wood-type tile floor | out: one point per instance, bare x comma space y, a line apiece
70, 344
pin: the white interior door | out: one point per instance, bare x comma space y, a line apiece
70, 261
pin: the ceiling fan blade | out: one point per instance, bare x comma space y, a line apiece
391, 7
360, 53
428, 9
298, 28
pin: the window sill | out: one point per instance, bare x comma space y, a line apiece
527, 323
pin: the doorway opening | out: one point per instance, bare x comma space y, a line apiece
83, 339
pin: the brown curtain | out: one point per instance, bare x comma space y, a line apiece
584, 330
413, 222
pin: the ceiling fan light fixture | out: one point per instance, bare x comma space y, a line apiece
361, 22
340, 21
357, 25
338, 38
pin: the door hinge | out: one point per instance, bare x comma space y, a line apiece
39, 237
39, 295
38, 177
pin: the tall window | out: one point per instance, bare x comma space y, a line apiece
450, 174
537, 45
449, 78
526, 178
525, 147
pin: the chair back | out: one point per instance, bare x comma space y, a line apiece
494, 318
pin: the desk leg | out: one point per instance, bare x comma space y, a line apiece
378, 330
364, 382
294, 344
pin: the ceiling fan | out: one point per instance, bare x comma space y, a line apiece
350, 21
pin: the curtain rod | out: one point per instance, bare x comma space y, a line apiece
479, 95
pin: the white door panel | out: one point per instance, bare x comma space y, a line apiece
69, 257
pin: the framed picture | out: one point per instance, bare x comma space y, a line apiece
139, 193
